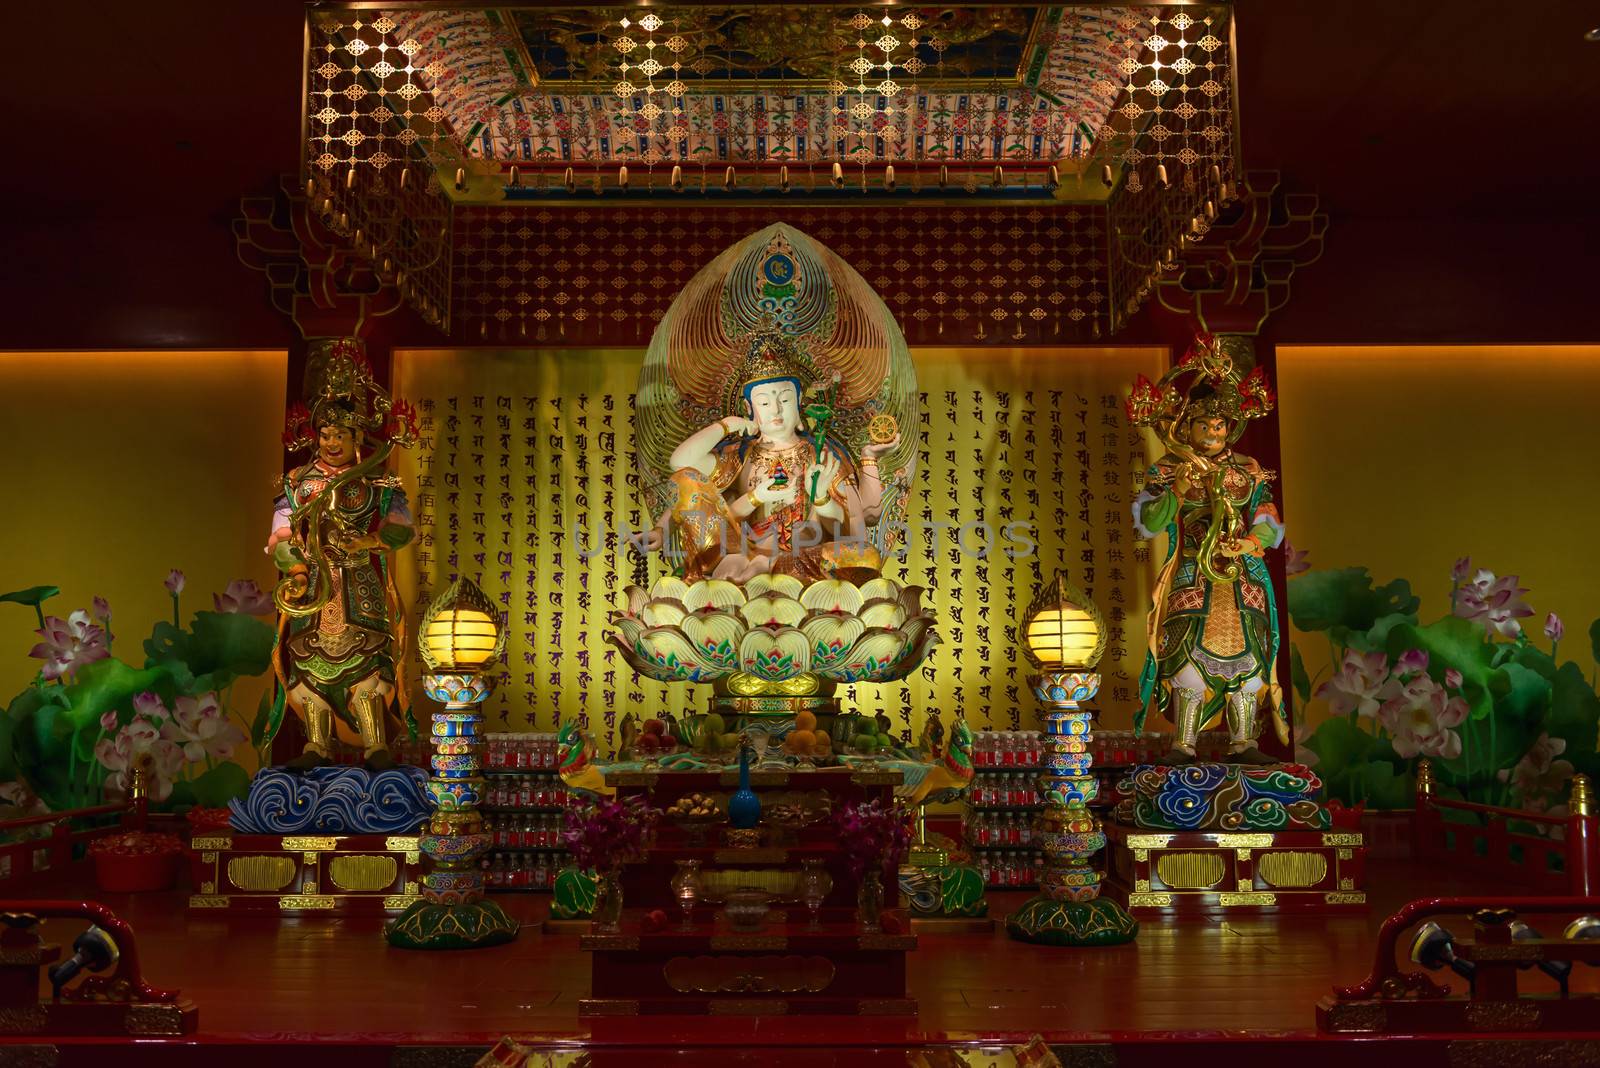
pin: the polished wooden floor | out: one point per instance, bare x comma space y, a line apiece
336, 981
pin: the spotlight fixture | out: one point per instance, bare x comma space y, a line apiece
1559, 970
1434, 948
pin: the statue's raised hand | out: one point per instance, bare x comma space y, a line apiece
767, 493
647, 541
739, 425
821, 476
879, 449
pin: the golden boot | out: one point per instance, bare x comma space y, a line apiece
367, 708
1186, 721
318, 721
1243, 726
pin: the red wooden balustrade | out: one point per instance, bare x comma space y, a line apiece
28, 856
1493, 848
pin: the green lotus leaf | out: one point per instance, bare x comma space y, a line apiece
961, 891
33, 596
574, 894
220, 647
1297, 673
1345, 597
1575, 716
219, 785
1455, 643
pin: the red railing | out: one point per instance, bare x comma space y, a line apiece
1564, 864
29, 856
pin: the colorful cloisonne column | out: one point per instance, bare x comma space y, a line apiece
460, 638
1064, 636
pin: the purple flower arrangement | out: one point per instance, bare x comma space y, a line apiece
872, 836
607, 834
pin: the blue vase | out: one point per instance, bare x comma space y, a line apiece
744, 807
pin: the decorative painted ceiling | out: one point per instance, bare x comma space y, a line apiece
479, 159
798, 82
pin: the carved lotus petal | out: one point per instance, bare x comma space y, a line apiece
880, 589
911, 598
873, 658
775, 655
637, 597
669, 588
662, 613
887, 614
921, 638
628, 630
718, 594
832, 595
715, 636
832, 637
666, 654
786, 585
773, 609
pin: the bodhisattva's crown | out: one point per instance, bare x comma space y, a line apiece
768, 358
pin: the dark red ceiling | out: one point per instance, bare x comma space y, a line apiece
1452, 143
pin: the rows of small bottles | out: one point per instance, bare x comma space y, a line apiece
534, 751
522, 871
1028, 749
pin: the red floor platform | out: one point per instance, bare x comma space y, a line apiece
1242, 990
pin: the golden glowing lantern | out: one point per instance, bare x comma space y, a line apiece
461, 630
1062, 628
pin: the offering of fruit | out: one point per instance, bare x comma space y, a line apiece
655, 738
869, 738
805, 721
693, 806
800, 742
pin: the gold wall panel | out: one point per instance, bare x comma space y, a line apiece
1291, 871
1191, 871
363, 873
265, 873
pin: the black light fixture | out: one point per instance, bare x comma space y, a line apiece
1559, 970
1434, 948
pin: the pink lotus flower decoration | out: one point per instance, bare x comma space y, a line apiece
1495, 602
1294, 561
69, 644
1463, 568
1539, 774
102, 610
138, 742
1553, 628
175, 582
1421, 719
243, 597
1452, 678
1361, 684
200, 730
1411, 662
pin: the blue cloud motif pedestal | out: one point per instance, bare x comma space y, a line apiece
1203, 839
331, 840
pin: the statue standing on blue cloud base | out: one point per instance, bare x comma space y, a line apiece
341, 627
1213, 627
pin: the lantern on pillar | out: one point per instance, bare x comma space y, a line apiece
460, 639
1064, 637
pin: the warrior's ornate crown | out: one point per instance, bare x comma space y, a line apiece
1217, 388
347, 395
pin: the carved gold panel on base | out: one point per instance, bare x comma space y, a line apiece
1217, 871
305, 874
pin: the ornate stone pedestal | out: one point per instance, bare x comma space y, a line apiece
453, 913
1069, 910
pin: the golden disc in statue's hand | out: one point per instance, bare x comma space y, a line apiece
882, 429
